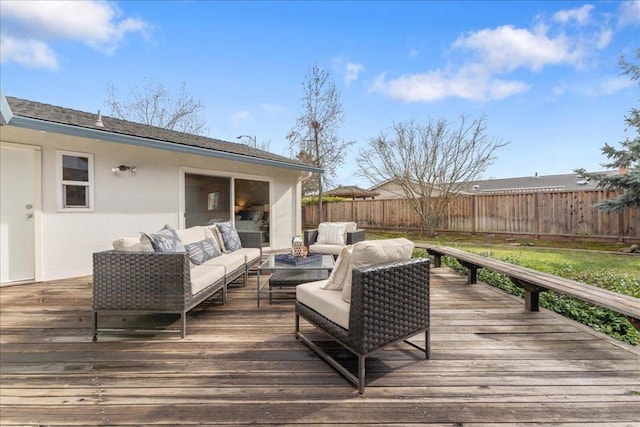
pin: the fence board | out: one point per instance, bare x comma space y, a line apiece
558, 213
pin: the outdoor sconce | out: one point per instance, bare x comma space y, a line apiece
123, 168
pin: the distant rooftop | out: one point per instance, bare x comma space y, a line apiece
541, 183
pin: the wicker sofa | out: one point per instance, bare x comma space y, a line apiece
378, 304
135, 280
330, 237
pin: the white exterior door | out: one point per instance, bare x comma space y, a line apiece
19, 186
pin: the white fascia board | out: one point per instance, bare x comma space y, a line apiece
61, 128
5, 111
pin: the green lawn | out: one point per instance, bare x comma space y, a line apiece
608, 268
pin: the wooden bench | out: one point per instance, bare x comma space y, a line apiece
533, 282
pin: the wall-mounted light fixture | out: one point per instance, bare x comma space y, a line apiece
123, 168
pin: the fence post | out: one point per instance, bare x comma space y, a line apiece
474, 209
536, 215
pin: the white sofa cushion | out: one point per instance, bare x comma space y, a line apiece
327, 302
373, 252
193, 234
230, 261
204, 275
332, 233
325, 249
339, 272
132, 244
249, 253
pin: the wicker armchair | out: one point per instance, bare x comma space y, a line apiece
311, 238
389, 303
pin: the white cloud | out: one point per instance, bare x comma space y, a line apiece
490, 55
241, 117
413, 53
629, 13
612, 85
437, 85
272, 108
28, 53
96, 24
580, 16
352, 72
508, 48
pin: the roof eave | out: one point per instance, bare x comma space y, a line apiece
102, 135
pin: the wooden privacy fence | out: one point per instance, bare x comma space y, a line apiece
538, 214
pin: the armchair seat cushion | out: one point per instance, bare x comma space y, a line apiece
327, 302
324, 248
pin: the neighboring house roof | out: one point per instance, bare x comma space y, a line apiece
351, 191
526, 184
46, 117
540, 183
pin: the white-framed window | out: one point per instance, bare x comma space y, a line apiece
75, 181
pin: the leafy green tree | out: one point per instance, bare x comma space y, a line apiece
625, 159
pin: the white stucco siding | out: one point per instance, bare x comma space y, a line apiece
126, 204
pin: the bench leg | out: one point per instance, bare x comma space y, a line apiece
472, 271
531, 294
532, 301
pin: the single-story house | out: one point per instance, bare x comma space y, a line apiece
73, 182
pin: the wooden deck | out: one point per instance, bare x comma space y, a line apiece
492, 363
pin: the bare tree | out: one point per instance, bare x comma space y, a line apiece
431, 163
152, 104
315, 131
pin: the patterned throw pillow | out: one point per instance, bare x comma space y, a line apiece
165, 240
202, 251
230, 235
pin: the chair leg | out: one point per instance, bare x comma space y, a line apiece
361, 374
95, 326
427, 344
183, 319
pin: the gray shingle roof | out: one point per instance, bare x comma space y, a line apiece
81, 119
562, 182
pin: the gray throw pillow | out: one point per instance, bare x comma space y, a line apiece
230, 236
202, 251
165, 241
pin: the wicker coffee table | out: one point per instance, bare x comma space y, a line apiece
285, 276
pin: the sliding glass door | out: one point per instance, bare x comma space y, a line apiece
217, 198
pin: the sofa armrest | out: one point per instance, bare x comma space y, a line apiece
250, 239
140, 281
310, 237
355, 236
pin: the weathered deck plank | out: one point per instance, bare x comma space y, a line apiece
492, 363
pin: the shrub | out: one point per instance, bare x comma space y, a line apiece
600, 319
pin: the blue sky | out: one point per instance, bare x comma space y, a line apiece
544, 73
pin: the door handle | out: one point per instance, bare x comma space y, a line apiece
29, 215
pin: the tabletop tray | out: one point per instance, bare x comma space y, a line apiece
290, 259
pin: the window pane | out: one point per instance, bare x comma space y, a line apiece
75, 196
75, 168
